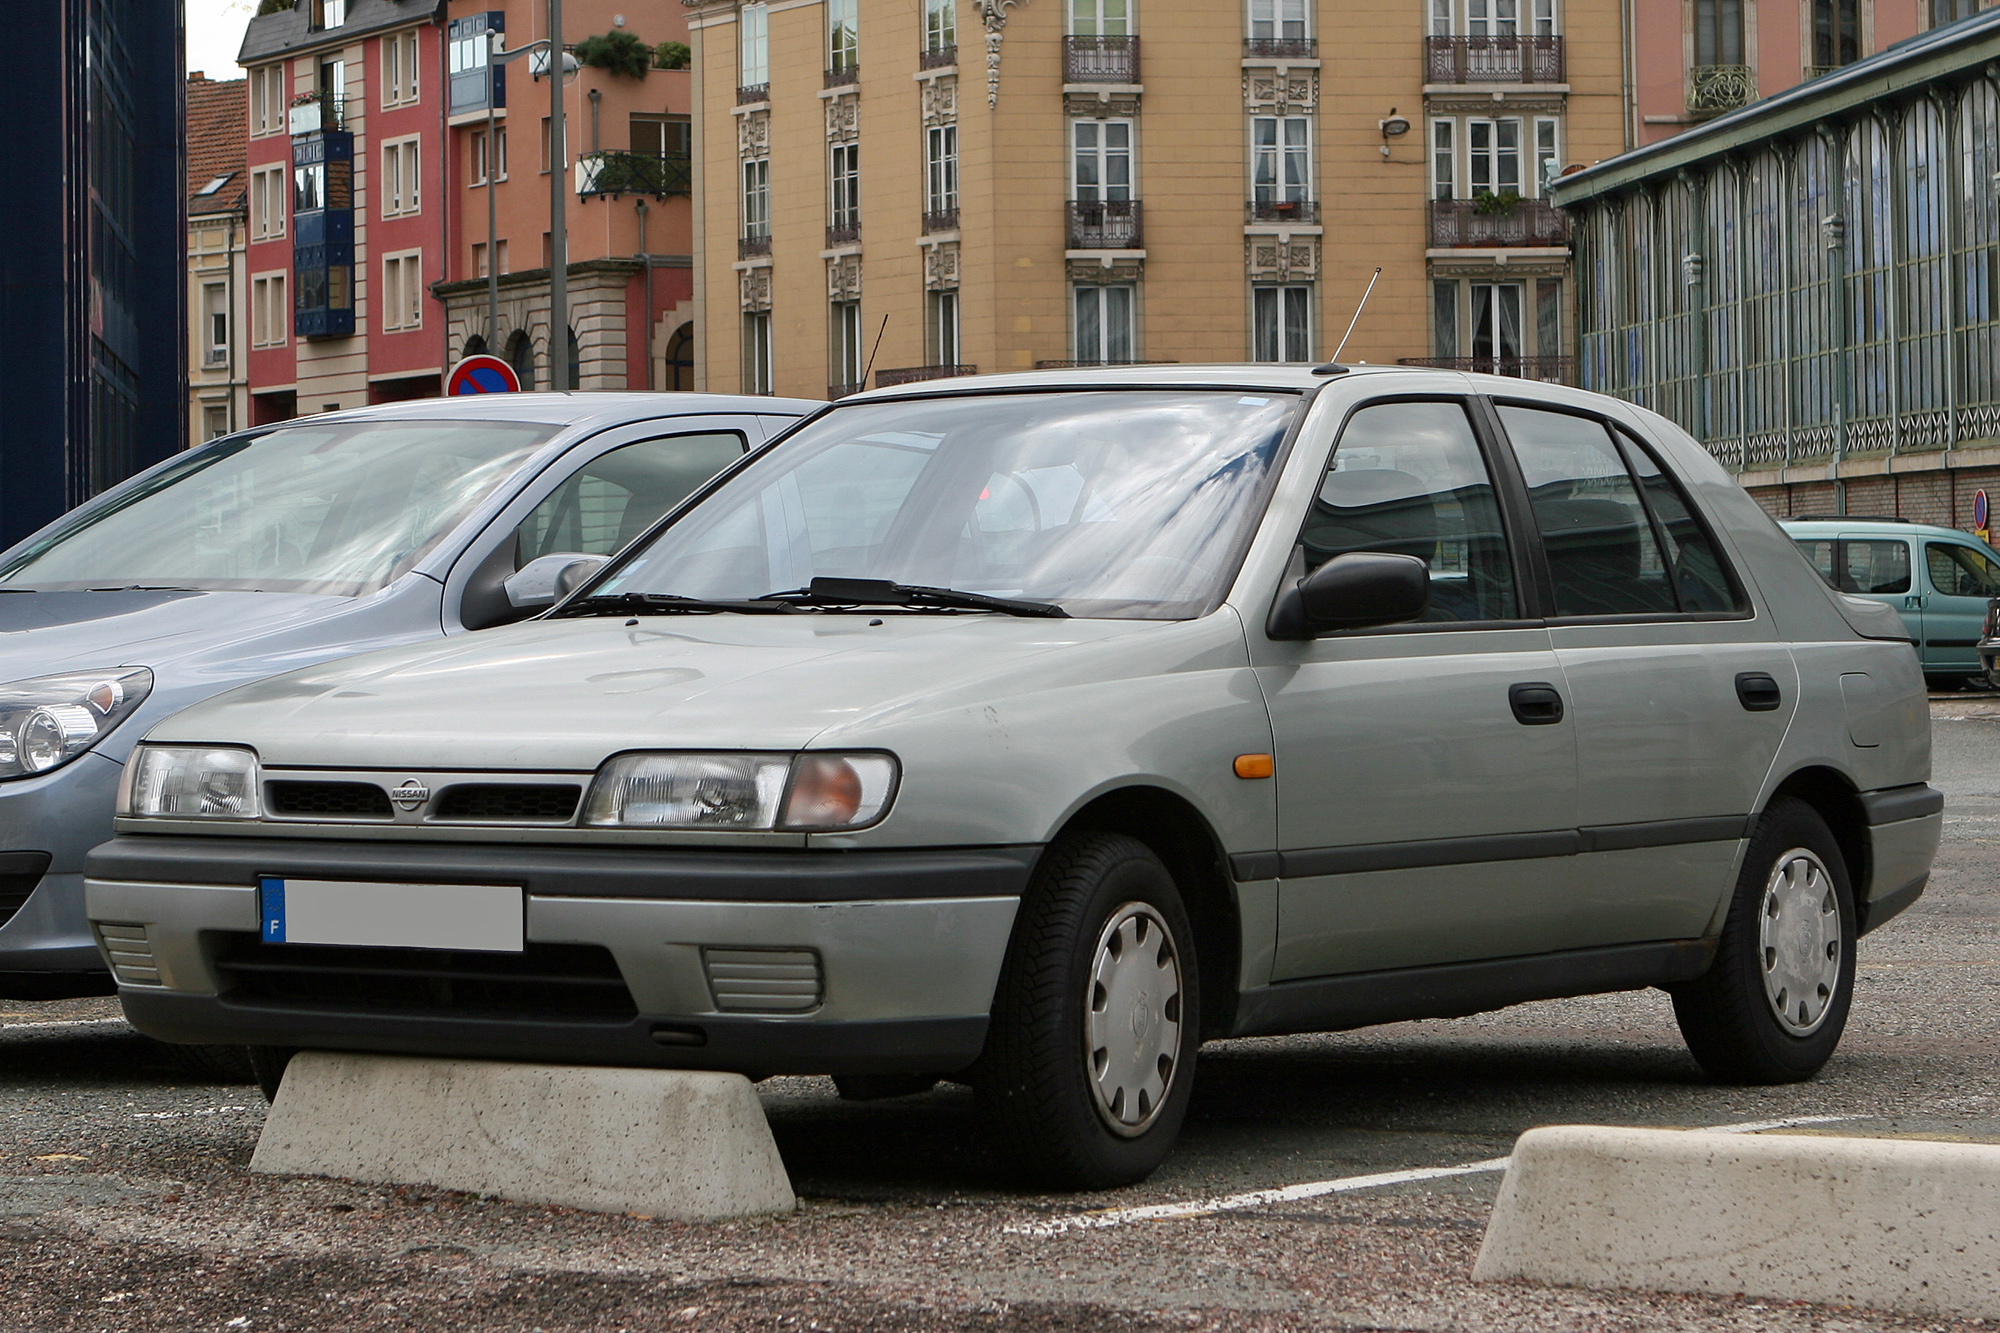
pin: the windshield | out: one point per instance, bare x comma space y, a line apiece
1128, 504
340, 508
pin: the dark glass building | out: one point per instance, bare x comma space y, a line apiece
91, 263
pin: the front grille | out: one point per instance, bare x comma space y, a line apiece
547, 982
552, 803
339, 800
763, 981
130, 952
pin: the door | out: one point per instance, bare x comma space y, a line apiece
1679, 695
1418, 802
1961, 577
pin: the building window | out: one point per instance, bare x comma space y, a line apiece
1493, 156
1281, 159
846, 363
844, 207
267, 202
214, 324
843, 34
1279, 20
403, 291
475, 82
941, 169
1102, 322
1281, 322
940, 27
656, 136
399, 69
1444, 160
1444, 319
267, 100
214, 423
399, 178
1100, 18
753, 30
1492, 18
1548, 158
1718, 32
328, 14
757, 353
757, 198
1101, 161
479, 155
1548, 317
941, 328
270, 316
1496, 320
1950, 11
1836, 33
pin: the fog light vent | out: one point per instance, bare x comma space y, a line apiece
131, 953
764, 981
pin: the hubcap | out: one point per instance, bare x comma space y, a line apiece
1799, 931
1132, 1029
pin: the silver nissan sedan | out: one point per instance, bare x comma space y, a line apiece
1029, 730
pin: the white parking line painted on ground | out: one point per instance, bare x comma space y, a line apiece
1166, 1212
66, 1023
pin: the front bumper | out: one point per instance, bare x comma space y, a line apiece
907, 946
46, 949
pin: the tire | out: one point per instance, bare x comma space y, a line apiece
1789, 937
269, 1063
1089, 1061
212, 1064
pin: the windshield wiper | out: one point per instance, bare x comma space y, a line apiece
145, 587
881, 592
668, 604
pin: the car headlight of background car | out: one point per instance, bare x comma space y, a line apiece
47, 721
190, 782
814, 791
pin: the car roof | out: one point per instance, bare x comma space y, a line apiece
1873, 527
1260, 375
578, 408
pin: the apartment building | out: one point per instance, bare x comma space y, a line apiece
218, 234
895, 190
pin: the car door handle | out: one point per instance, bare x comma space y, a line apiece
1758, 692
1536, 703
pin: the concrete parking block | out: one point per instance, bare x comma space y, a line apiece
1899, 1225
689, 1147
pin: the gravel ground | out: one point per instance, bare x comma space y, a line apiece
125, 1203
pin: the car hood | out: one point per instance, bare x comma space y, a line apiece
561, 695
42, 633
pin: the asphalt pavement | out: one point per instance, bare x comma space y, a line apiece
125, 1202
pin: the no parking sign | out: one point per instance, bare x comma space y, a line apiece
481, 374
1979, 516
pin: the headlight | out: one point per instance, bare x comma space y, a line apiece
190, 782
49, 720
753, 792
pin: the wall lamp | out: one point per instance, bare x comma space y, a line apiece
1392, 127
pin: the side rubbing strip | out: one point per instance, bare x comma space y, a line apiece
1501, 847
1247, 866
1895, 804
1664, 833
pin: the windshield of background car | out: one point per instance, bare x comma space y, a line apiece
1131, 503
337, 508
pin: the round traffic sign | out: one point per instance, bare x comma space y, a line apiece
481, 374
1979, 509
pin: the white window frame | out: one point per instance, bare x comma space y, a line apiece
1104, 322
1092, 18
1283, 345
1546, 154
1502, 294
1495, 155
479, 152
1442, 18
1275, 17
270, 107
401, 54
941, 169
757, 353
269, 186
843, 20
402, 302
1104, 157
753, 53
270, 309
402, 177
1281, 170
941, 328
1444, 159
843, 205
214, 308
1493, 18
756, 198
845, 363
940, 24
1544, 21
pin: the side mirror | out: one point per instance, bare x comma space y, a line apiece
548, 579
1353, 591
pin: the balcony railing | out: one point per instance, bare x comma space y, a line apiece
1721, 87
937, 57
1112, 225
752, 92
1100, 60
1548, 369
315, 112
1281, 210
918, 374
1479, 224
843, 233
842, 75
1280, 48
1085, 365
615, 173
944, 219
752, 247
1493, 60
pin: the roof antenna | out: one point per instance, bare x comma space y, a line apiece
1333, 366
870, 367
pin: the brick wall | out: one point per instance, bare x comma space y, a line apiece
1942, 497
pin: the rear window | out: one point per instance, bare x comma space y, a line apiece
1878, 567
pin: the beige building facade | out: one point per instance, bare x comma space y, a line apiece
902, 189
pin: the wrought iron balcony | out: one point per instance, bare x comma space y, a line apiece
943, 219
1721, 87
842, 75
918, 374
1280, 48
616, 173
1493, 60
1100, 60
1493, 223
843, 233
1111, 225
313, 113
752, 92
937, 57
1548, 369
753, 247
1281, 210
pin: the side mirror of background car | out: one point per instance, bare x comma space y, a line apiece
1352, 591
548, 579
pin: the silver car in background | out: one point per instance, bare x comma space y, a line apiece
274, 549
1030, 730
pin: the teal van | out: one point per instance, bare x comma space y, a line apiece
1938, 578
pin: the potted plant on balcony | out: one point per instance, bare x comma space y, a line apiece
618, 52
1490, 205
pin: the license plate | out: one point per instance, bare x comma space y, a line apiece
485, 917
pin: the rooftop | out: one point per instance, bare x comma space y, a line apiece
217, 113
289, 31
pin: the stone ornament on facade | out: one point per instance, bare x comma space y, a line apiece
1482, 268
993, 13
941, 101
753, 134
1104, 104
756, 289
1106, 272
1280, 92
843, 278
1281, 258
941, 267
1482, 104
843, 118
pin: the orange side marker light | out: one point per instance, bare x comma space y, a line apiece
1255, 766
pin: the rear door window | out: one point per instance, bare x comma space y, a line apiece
1873, 567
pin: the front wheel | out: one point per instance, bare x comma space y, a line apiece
1771, 1007
1090, 1058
